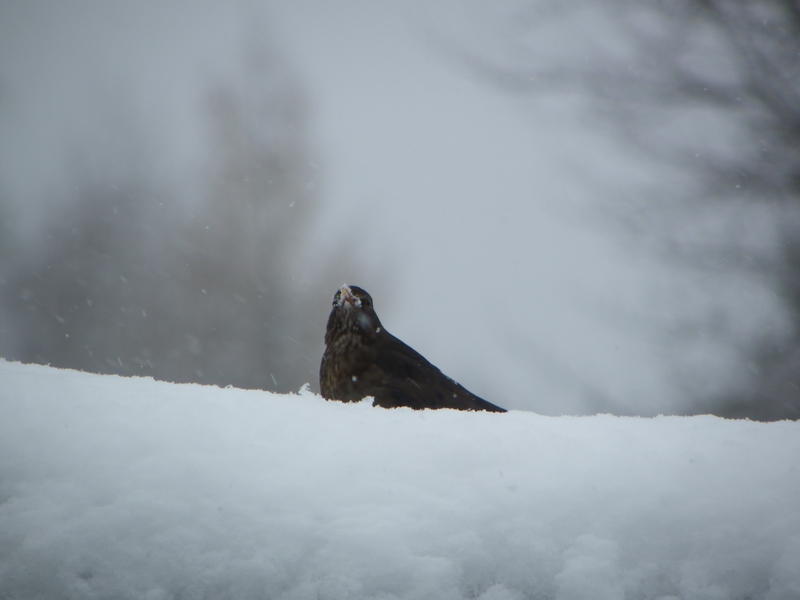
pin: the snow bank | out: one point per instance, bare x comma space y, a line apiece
117, 487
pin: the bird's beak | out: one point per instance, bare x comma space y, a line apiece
347, 297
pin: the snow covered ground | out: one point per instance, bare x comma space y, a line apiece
130, 488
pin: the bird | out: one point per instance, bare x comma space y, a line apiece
362, 359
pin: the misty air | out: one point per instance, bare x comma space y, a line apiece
585, 215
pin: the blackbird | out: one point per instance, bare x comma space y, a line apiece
363, 359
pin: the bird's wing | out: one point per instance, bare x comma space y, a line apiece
415, 382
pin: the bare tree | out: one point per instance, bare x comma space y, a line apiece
130, 279
711, 90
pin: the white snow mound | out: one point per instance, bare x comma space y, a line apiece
121, 488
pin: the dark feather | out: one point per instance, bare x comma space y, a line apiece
363, 359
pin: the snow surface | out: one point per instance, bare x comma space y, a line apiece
116, 487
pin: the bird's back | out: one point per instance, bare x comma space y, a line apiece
411, 380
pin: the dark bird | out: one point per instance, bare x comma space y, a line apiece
363, 359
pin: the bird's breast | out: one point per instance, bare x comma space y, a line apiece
346, 359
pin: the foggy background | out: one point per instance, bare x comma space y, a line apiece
570, 210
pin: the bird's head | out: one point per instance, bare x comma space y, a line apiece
352, 311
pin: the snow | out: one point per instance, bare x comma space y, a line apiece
116, 487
